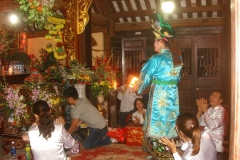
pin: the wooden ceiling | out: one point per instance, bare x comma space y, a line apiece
126, 15
133, 15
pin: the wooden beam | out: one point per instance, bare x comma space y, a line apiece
99, 20
176, 11
111, 28
173, 23
96, 29
36, 34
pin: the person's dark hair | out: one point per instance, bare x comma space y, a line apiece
188, 124
138, 99
221, 93
71, 92
45, 123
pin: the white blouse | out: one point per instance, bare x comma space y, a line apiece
216, 122
207, 150
53, 148
127, 97
139, 116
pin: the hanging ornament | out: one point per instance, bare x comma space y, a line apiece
59, 52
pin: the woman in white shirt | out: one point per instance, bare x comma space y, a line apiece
197, 145
139, 115
47, 139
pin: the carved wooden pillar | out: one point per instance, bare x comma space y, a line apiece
235, 81
76, 12
84, 45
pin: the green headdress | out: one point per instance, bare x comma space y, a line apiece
161, 28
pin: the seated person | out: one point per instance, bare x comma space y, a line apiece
83, 110
139, 115
47, 139
197, 145
214, 119
127, 96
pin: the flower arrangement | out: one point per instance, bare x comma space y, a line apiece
17, 100
38, 94
49, 66
36, 12
79, 72
14, 103
105, 76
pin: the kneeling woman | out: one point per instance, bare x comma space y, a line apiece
47, 139
197, 145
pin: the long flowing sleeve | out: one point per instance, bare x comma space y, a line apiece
147, 74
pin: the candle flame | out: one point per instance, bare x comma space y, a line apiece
133, 82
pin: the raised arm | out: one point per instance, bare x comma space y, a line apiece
171, 144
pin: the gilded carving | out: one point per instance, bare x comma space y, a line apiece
76, 12
82, 15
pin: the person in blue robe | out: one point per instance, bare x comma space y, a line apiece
162, 76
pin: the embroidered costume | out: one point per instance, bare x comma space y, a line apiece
163, 108
163, 74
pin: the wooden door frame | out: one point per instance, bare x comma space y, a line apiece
235, 81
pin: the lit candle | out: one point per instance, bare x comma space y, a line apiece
115, 86
10, 70
133, 82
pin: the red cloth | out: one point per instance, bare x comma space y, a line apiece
117, 133
134, 135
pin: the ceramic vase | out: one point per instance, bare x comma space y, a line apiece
81, 88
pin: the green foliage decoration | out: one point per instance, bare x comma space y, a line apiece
18, 56
35, 12
7, 41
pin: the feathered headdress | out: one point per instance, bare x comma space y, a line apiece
161, 28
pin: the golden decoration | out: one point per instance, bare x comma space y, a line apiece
76, 13
82, 14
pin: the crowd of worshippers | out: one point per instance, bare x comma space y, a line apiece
200, 135
153, 102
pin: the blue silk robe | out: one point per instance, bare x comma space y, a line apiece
163, 105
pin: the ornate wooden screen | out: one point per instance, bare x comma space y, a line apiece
187, 62
117, 52
128, 54
207, 62
201, 72
133, 52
